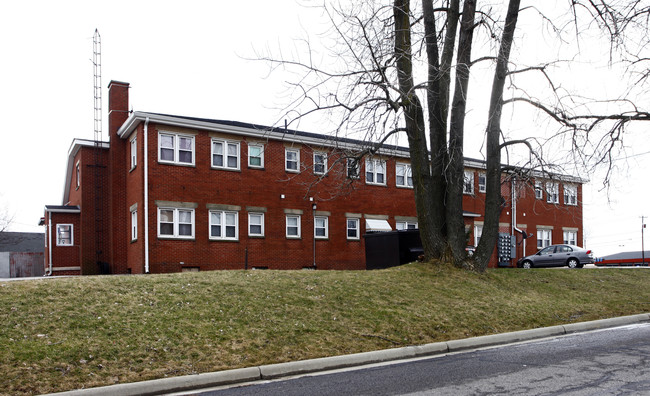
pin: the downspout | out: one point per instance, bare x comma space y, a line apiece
49, 242
146, 196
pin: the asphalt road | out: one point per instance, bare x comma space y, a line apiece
604, 362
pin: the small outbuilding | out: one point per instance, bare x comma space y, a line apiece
21, 254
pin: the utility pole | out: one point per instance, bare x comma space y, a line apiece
642, 243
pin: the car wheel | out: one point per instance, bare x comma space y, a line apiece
527, 264
573, 263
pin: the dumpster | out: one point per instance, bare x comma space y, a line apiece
393, 248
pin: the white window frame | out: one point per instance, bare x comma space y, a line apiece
353, 168
223, 215
318, 164
261, 156
570, 194
570, 237
250, 223
324, 227
478, 232
134, 225
176, 137
225, 145
297, 226
356, 229
134, 152
372, 169
296, 160
552, 192
403, 171
176, 223
406, 225
482, 182
544, 237
539, 190
468, 182
64, 242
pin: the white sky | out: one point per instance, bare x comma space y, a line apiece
186, 58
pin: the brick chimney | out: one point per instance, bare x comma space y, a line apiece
118, 112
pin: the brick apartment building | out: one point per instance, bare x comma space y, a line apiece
172, 193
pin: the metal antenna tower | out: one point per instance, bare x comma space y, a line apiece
97, 69
99, 166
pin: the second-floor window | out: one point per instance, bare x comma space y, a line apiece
403, 177
570, 195
134, 153
255, 155
320, 163
468, 182
175, 148
539, 190
552, 193
375, 171
353, 168
482, 182
225, 154
292, 160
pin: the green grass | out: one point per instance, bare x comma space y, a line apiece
61, 334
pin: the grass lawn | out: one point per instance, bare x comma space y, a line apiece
69, 333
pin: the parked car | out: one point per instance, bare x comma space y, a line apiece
558, 256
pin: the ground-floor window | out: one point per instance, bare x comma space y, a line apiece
353, 228
543, 238
293, 226
256, 224
406, 225
175, 223
478, 231
64, 235
223, 225
320, 227
570, 237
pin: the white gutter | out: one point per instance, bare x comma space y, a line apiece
146, 197
49, 242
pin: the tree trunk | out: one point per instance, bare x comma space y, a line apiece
493, 174
455, 171
415, 125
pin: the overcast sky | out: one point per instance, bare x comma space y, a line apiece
186, 58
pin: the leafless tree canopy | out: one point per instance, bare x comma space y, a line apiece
412, 71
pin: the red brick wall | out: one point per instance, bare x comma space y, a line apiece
66, 256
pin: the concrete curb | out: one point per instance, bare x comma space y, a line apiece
198, 381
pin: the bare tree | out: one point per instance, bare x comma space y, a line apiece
401, 69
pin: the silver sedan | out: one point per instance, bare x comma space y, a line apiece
558, 256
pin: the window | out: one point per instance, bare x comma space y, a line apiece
406, 225
482, 182
134, 225
77, 171
403, 177
175, 148
292, 160
320, 163
375, 171
134, 153
353, 168
320, 227
552, 195
478, 232
539, 191
255, 155
570, 237
64, 235
353, 228
293, 226
175, 223
256, 224
223, 225
468, 182
570, 195
225, 154
543, 238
